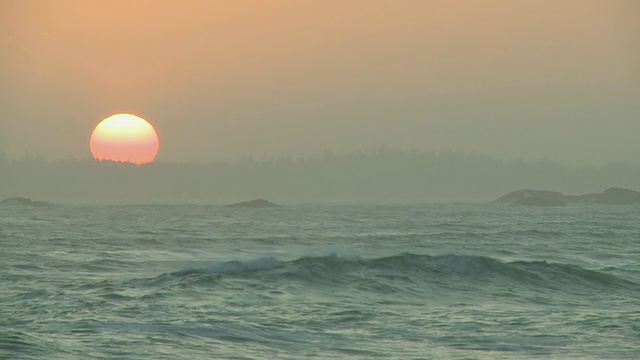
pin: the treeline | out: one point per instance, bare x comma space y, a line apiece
385, 175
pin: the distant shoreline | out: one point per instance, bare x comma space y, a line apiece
382, 177
611, 196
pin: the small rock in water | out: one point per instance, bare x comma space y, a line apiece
24, 202
257, 203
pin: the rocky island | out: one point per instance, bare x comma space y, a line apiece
22, 201
611, 196
257, 203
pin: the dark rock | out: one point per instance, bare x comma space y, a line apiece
618, 196
612, 196
540, 201
257, 203
24, 202
532, 198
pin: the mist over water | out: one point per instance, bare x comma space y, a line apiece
382, 176
319, 281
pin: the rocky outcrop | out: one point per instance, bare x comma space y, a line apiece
617, 196
532, 198
611, 196
257, 203
24, 202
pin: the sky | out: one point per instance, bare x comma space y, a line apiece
544, 79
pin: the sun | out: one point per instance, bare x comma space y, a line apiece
125, 138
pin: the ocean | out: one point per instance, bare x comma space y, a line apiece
304, 281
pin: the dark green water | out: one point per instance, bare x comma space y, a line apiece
319, 281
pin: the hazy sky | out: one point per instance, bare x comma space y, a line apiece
223, 79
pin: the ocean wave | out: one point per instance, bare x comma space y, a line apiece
417, 269
15, 344
234, 267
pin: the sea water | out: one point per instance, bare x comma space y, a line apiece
459, 281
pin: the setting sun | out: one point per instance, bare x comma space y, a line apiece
125, 138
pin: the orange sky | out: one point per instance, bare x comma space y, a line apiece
222, 79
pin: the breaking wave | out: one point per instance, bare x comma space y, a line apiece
445, 271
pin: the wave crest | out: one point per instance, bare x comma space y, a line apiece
416, 270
